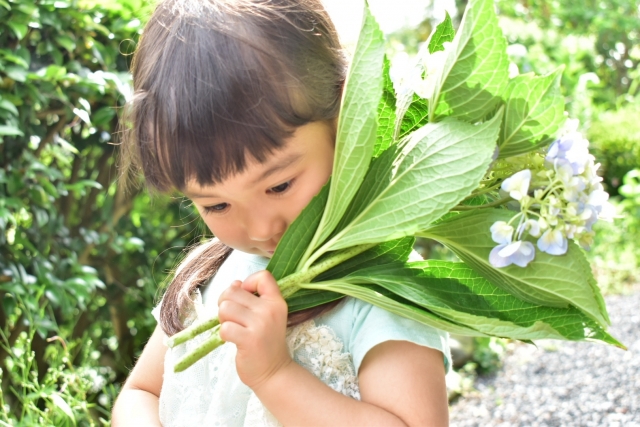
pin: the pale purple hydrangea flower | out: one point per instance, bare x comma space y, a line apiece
517, 185
501, 232
519, 253
567, 199
572, 150
553, 242
530, 226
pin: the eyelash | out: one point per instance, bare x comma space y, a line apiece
288, 185
212, 209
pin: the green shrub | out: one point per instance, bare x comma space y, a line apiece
615, 141
80, 258
615, 255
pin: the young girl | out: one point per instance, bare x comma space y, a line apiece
235, 106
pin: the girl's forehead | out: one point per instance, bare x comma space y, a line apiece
310, 143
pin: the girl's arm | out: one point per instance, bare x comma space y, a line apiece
137, 404
401, 383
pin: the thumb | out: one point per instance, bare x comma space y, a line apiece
263, 284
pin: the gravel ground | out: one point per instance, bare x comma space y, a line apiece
564, 383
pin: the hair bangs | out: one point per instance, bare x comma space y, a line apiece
213, 86
203, 125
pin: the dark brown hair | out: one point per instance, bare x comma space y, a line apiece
216, 81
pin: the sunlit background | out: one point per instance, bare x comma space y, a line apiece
391, 15
82, 261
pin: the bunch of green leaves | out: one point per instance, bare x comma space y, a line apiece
411, 167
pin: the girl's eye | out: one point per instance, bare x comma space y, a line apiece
220, 207
280, 188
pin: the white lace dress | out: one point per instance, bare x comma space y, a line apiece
331, 346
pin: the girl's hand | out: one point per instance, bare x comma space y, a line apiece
257, 325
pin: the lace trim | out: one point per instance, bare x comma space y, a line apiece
319, 350
210, 392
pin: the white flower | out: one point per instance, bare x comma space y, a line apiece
552, 209
591, 174
517, 185
563, 170
589, 215
570, 149
558, 149
553, 242
543, 223
433, 64
519, 253
574, 188
531, 226
570, 230
578, 155
608, 212
586, 240
501, 232
597, 198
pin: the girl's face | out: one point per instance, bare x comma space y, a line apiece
250, 211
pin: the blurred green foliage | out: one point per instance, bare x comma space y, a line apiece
616, 143
81, 259
598, 42
615, 255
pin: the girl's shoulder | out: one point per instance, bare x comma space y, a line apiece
360, 326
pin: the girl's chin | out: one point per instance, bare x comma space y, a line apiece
262, 252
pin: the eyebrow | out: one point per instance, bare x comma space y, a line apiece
281, 164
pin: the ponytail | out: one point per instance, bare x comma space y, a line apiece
199, 266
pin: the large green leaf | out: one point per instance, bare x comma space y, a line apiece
386, 113
384, 253
549, 280
475, 72
413, 111
378, 178
296, 239
390, 252
416, 115
533, 114
380, 297
443, 163
444, 33
356, 135
456, 292
309, 298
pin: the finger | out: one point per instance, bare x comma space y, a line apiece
231, 311
236, 293
233, 332
264, 284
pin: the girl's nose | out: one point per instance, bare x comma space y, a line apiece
262, 227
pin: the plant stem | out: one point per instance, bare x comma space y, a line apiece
192, 331
488, 205
483, 191
199, 352
288, 286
